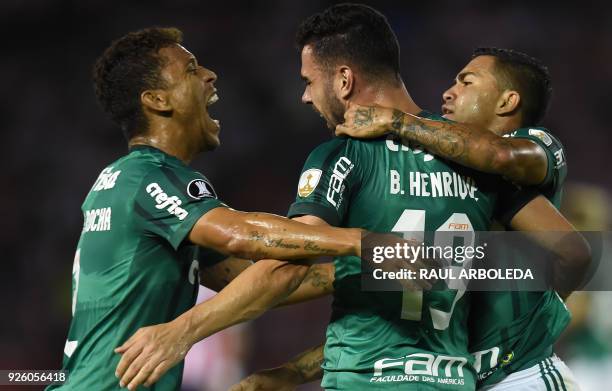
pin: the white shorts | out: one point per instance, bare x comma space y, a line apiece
550, 374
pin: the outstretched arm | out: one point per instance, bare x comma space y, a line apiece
217, 276
152, 350
520, 160
263, 235
304, 368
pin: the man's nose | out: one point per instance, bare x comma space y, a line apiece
209, 76
448, 95
306, 97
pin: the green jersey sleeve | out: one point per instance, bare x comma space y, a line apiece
329, 177
169, 201
556, 170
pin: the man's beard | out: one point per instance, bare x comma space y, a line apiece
334, 107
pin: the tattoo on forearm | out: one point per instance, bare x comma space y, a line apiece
317, 279
364, 117
437, 137
308, 245
275, 243
315, 248
397, 120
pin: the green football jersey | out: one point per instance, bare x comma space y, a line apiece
511, 331
395, 340
133, 266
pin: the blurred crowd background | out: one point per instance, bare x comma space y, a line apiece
56, 139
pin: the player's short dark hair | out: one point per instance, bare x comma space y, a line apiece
129, 66
354, 33
526, 75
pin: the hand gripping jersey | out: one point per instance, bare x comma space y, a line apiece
132, 266
395, 340
511, 331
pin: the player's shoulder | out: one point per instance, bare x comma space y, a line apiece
544, 135
330, 146
151, 167
324, 152
150, 161
347, 148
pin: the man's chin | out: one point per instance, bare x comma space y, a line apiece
212, 143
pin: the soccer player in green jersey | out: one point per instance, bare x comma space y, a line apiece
368, 345
137, 262
504, 91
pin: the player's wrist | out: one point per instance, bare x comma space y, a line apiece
356, 235
187, 328
290, 374
396, 121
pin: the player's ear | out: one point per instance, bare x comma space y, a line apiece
508, 102
156, 100
345, 81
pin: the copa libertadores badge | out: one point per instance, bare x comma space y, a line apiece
199, 188
308, 182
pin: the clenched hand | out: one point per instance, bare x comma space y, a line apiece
368, 122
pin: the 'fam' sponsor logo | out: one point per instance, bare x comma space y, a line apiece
342, 169
422, 368
171, 204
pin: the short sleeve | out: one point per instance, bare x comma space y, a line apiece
170, 200
556, 168
326, 182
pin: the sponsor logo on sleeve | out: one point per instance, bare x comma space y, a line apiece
342, 169
542, 135
559, 158
308, 182
106, 180
199, 188
171, 204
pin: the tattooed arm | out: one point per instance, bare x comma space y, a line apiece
522, 161
304, 368
319, 282
262, 235
216, 277
153, 350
